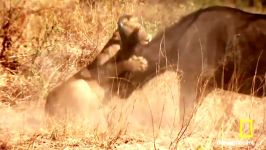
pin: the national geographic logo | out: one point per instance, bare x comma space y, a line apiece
246, 128
245, 135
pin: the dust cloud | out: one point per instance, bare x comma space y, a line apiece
151, 113
153, 108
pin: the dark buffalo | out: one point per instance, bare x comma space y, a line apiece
214, 47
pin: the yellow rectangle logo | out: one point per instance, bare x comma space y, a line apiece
249, 134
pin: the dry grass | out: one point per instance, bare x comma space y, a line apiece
52, 39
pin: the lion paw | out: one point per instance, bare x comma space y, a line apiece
137, 63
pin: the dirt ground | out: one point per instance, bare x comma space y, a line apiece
149, 119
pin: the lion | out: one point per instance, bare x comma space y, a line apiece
85, 89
